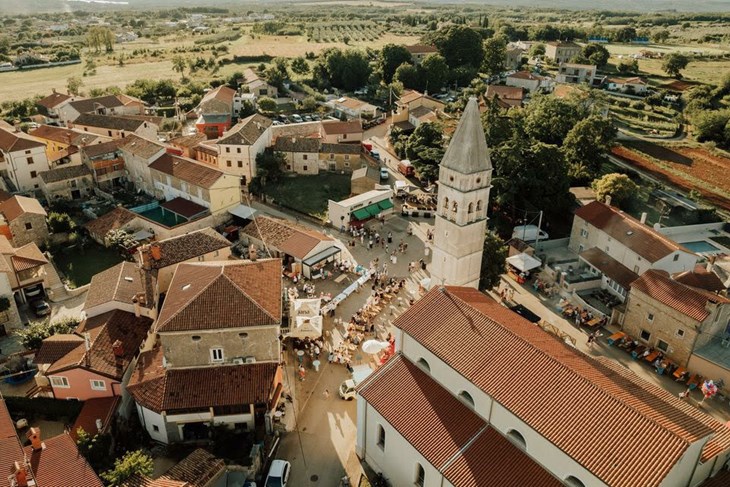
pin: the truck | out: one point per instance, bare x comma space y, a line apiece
529, 233
348, 388
405, 168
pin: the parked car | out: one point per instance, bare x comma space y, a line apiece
307, 118
296, 118
384, 175
375, 154
284, 118
316, 117
276, 122
529, 233
405, 168
40, 307
278, 474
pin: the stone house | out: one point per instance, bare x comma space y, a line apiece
414, 107
63, 145
22, 158
50, 105
28, 271
238, 148
527, 80
119, 105
672, 317
419, 52
106, 163
340, 157
633, 86
24, 221
67, 183
257, 86
301, 154
216, 111
576, 73
507, 96
352, 108
114, 126
336, 132
512, 58
561, 52
217, 357
138, 153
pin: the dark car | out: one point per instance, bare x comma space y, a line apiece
40, 307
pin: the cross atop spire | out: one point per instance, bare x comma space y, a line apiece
467, 152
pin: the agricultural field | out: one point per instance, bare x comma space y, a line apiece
684, 166
658, 121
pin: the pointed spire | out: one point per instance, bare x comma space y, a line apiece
467, 152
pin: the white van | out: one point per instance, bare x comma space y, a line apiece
348, 388
529, 233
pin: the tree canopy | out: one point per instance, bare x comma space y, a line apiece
132, 463
347, 69
595, 54
674, 63
549, 119
460, 45
425, 149
586, 144
618, 186
391, 57
493, 258
495, 50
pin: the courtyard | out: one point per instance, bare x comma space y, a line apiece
309, 194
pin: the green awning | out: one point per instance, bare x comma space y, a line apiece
385, 205
374, 210
361, 214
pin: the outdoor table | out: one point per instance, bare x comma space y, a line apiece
638, 351
616, 337
652, 356
315, 364
679, 372
593, 322
300, 355
694, 381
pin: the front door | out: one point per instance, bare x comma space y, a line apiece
75, 194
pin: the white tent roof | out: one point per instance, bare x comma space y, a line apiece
305, 326
306, 307
524, 262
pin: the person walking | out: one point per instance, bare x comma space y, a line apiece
390, 237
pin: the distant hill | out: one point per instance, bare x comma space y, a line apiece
13, 7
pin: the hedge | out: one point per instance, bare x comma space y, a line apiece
51, 409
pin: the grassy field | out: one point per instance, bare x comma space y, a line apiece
293, 46
309, 194
80, 264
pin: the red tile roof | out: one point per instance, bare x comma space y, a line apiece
53, 100
687, 300
115, 219
10, 449
187, 170
643, 240
158, 389
285, 236
183, 247
17, 206
11, 141
525, 75
184, 207
120, 283
701, 278
55, 347
61, 464
445, 425
231, 295
337, 127
102, 408
495, 349
27, 257
198, 469
609, 266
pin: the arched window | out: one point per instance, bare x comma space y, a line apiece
471, 208
456, 206
466, 397
517, 438
446, 203
423, 364
479, 205
420, 475
571, 481
381, 437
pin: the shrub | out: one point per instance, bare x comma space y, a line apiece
32, 337
52, 409
60, 222
637, 105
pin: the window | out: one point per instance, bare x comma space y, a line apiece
680, 333
228, 150
74, 183
446, 203
33, 174
155, 428
332, 156
650, 317
304, 168
580, 248
381, 437
344, 136
216, 355
645, 335
584, 233
470, 208
195, 338
240, 163
466, 397
676, 257
662, 345
304, 156
423, 364
59, 381
30, 160
347, 164
228, 163
98, 385
420, 475
636, 269
110, 133
347, 157
455, 206
517, 438
29, 226
288, 167
479, 205
238, 150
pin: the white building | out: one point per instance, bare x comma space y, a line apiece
476, 395
465, 177
527, 80
138, 153
22, 158
357, 210
238, 148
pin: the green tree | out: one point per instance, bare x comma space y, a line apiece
434, 71
299, 66
95, 449
266, 104
549, 119
99, 37
425, 149
674, 63
627, 65
460, 45
660, 36
624, 34
407, 74
347, 70
73, 85
596, 54
60, 222
618, 186
31, 337
495, 52
497, 124
493, 259
586, 145
132, 463
270, 166
278, 72
709, 125
179, 64
392, 56
537, 50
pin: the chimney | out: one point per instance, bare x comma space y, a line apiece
34, 435
118, 348
156, 252
643, 218
99, 425
252, 253
137, 309
608, 200
20, 476
87, 345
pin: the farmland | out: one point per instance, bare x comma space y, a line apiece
686, 167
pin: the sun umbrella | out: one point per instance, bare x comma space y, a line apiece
374, 346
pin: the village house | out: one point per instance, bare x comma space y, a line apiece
106, 163
352, 108
561, 52
28, 271
205, 152
216, 111
340, 157
431, 416
114, 126
160, 258
336, 132
105, 347
67, 183
357, 210
672, 317
23, 220
527, 80
419, 52
254, 84
123, 287
50, 105
301, 154
238, 148
507, 96
138, 153
22, 158
186, 143
414, 108
119, 105
218, 354
199, 187
63, 145
512, 58
576, 73
47, 463
630, 86
302, 250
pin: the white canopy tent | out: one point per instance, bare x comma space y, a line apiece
524, 262
305, 319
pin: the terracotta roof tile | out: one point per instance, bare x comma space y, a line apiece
721, 479
328, 148
197, 469
63, 135
140, 146
60, 462
525, 75
231, 295
700, 278
120, 283
64, 173
184, 207
27, 257
159, 390
288, 237
111, 147
609, 266
218, 100
188, 141
337, 127
107, 122
186, 169
10, 449
184, 247
247, 131
640, 238
649, 431
505, 92
102, 408
53, 100
115, 219
687, 300
11, 141
16, 206
57, 346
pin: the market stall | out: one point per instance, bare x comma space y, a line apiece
520, 265
305, 318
